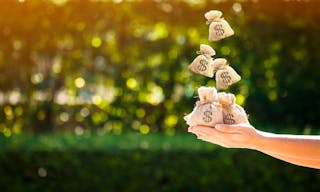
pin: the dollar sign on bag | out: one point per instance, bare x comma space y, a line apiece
207, 116
229, 119
219, 30
203, 65
225, 77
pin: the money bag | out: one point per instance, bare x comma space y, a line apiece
207, 94
207, 112
203, 63
219, 28
232, 112
225, 75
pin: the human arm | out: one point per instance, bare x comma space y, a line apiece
301, 150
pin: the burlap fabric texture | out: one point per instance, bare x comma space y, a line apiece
219, 28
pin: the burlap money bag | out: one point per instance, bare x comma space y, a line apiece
219, 28
206, 50
225, 75
203, 63
232, 112
208, 114
207, 94
208, 111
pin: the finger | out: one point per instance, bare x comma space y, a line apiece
227, 128
190, 129
203, 132
202, 128
214, 141
211, 132
198, 134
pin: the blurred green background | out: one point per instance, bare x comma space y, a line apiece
102, 86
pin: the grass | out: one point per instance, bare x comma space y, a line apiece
105, 142
136, 162
126, 141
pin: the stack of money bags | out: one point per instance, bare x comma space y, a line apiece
215, 107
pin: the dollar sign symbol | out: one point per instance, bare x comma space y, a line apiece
207, 116
225, 77
229, 119
219, 30
203, 65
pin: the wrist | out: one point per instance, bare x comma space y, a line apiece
259, 141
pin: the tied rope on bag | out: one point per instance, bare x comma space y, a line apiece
219, 28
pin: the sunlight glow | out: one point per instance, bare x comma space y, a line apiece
42, 172
132, 83
96, 42
140, 113
171, 120
64, 116
56, 67
160, 31
15, 97
144, 129
79, 82
84, 112
78, 130
156, 94
240, 99
237, 7
37, 78
59, 2
96, 99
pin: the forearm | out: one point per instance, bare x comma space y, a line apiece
301, 150
311, 163
298, 149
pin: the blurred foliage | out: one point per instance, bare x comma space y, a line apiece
134, 162
103, 142
120, 66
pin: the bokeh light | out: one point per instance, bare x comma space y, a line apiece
67, 68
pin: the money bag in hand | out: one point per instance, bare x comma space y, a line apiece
225, 75
203, 63
232, 112
219, 28
207, 112
207, 94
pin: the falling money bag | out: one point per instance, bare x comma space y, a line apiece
225, 75
232, 112
207, 112
203, 63
219, 28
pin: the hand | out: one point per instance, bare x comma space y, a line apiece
303, 150
229, 136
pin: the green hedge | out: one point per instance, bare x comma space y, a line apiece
204, 167
137, 170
